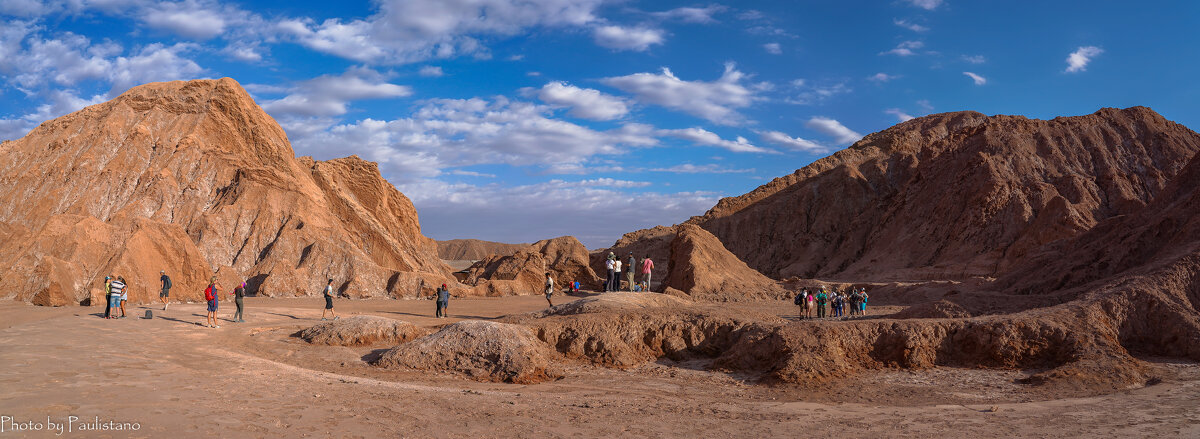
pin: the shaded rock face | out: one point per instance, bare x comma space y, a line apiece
485, 351
193, 177
523, 273
474, 249
952, 195
702, 268
361, 331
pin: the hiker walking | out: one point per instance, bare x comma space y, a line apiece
443, 301
212, 295
647, 267
165, 294
115, 288
631, 270
328, 293
549, 288
238, 294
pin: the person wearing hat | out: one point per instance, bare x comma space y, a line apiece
443, 301
107, 295
328, 293
165, 294
629, 270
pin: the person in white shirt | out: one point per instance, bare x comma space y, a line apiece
609, 264
328, 293
617, 275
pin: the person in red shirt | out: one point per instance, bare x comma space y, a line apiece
647, 267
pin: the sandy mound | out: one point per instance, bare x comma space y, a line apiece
630, 329
189, 177
474, 249
701, 267
486, 351
362, 330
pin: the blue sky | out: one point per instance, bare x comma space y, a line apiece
520, 120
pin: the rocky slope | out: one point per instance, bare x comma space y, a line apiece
192, 178
523, 272
703, 269
950, 195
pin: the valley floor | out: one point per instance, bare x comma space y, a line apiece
173, 377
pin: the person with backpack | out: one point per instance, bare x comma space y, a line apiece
609, 264
212, 295
238, 294
116, 290
443, 301
165, 294
800, 300
328, 293
822, 299
617, 275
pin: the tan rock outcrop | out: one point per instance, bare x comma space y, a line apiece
193, 177
702, 268
485, 351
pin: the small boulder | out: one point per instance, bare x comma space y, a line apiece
485, 351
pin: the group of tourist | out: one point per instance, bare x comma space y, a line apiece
854, 299
117, 293
614, 268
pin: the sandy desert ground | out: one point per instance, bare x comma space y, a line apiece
173, 377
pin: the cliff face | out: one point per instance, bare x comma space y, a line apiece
193, 177
474, 249
952, 195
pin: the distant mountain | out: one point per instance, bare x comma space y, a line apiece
474, 249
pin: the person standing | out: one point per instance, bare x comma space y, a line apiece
822, 299
863, 307
328, 293
238, 294
609, 264
164, 295
212, 295
116, 288
107, 296
617, 275
630, 270
443, 301
549, 288
647, 267
124, 294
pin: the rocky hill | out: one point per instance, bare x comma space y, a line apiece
945, 196
194, 178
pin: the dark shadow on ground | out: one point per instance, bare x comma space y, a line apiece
374, 355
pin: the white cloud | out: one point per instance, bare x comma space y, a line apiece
715, 101
792, 143
328, 95
1078, 60
905, 48
979, 80
405, 31
833, 128
882, 77
909, 25
702, 136
901, 115
926, 4
58, 103
153, 63
773, 48
187, 19
637, 39
431, 71
711, 168
810, 94
925, 105
974, 59
691, 14
583, 102
470, 173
